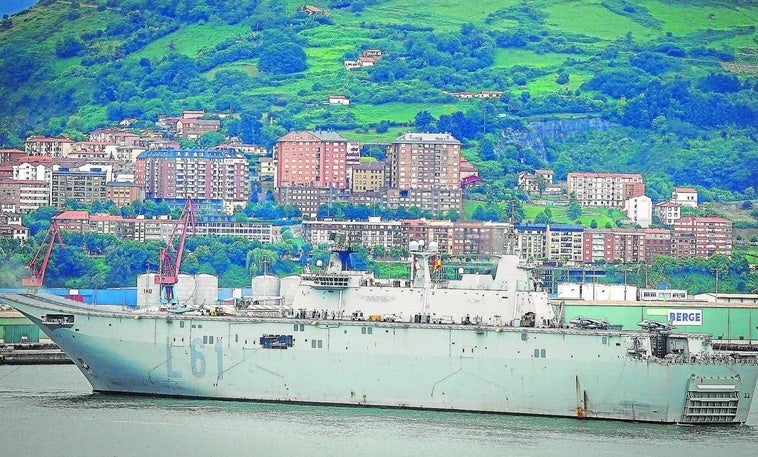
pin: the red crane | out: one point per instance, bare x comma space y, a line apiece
171, 258
38, 265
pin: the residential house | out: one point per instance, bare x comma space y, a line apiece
535, 182
350, 64
491, 94
311, 10
668, 212
366, 61
193, 128
11, 227
684, 196
339, 100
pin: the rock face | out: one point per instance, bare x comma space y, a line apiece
539, 133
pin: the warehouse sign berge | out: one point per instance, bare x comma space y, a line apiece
685, 316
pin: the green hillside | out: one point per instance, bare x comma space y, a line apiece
675, 78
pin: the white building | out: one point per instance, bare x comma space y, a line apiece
685, 196
33, 172
639, 210
668, 212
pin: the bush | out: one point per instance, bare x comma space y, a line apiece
68, 47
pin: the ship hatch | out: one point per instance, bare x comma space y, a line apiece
55, 321
276, 341
711, 401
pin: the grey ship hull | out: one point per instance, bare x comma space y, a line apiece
552, 372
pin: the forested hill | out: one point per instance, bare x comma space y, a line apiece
674, 80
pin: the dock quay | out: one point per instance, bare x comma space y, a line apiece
32, 354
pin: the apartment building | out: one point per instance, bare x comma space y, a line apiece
123, 193
608, 190
24, 196
657, 242
52, 147
312, 158
374, 232
367, 176
216, 178
613, 245
33, 170
424, 161
426, 231
628, 245
11, 156
84, 187
436, 201
639, 210
308, 199
711, 235
114, 136
160, 229
551, 242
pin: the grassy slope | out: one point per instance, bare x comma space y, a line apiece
602, 216
328, 45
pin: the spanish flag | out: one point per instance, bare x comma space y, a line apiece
437, 263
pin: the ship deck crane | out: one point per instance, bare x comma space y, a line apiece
37, 266
171, 258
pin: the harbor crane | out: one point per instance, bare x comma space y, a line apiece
171, 256
37, 266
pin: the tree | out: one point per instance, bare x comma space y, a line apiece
574, 210
68, 47
283, 58
487, 147
210, 139
424, 122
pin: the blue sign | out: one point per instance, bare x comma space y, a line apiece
685, 316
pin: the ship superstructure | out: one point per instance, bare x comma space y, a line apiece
483, 298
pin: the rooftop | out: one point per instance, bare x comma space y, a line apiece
437, 138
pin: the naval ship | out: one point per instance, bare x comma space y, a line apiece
481, 343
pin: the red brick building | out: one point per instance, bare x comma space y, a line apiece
707, 235
312, 158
